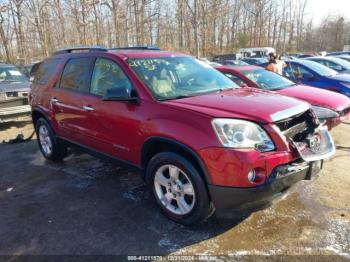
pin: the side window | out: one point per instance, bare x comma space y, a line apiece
288, 71
301, 73
107, 75
235, 79
322, 62
44, 71
76, 74
334, 66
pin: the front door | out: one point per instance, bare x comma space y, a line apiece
113, 123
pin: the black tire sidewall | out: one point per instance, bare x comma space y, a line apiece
201, 207
56, 153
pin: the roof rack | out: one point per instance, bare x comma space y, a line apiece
80, 48
136, 48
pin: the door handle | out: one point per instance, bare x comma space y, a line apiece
54, 100
88, 108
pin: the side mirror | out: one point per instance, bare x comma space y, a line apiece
120, 94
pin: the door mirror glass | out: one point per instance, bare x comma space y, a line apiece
120, 94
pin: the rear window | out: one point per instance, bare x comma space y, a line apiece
45, 71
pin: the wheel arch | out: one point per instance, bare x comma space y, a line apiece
38, 113
154, 145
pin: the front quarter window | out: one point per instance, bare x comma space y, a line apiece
175, 77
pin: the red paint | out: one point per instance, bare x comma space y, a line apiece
120, 129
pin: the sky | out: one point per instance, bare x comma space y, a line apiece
321, 8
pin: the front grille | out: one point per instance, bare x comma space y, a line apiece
14, 102
298, 127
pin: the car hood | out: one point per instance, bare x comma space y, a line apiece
317, 97
341, 77
245, 103
14, 86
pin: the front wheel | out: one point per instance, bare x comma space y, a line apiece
178, 188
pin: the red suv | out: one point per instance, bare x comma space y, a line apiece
201, 142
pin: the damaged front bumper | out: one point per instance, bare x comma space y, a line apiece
281, 179
317, 146
313, 150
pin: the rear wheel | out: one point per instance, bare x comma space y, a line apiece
178, 188
49, 145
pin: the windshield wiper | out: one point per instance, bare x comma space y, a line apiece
175, 97
227, 88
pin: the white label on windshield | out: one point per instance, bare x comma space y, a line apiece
14, 73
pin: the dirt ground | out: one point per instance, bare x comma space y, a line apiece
84, 206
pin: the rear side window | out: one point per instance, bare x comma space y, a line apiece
77, 74
44, 71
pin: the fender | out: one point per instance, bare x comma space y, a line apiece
178, 144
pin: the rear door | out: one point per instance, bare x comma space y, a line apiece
70, 97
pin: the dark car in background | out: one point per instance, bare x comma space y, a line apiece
305, 55
234, 62
310, 73
255, 60
328, 106
14, 92
338, 53
334, 63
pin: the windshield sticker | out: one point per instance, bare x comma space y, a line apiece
149, 64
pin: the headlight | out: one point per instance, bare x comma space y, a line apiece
242, 134
324, 113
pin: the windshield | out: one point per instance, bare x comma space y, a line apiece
11, 74
319, 69
268, 80
177, 77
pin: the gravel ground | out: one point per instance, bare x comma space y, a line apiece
84, 206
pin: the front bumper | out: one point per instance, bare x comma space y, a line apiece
282, 178
11, 113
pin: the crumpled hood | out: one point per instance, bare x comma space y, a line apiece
14, 86
318, 97
245, 103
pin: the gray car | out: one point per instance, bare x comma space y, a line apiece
14, 93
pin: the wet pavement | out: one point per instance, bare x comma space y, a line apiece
86, 206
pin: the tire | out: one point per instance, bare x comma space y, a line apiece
184, 200
50, 146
